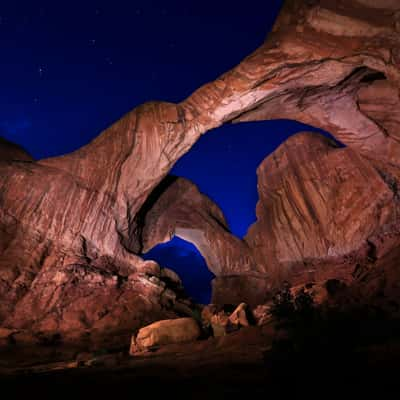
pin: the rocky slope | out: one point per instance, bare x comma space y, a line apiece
75, 224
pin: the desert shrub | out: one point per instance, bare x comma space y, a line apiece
325, 341
287, 306
283, 305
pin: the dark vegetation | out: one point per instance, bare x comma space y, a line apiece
352, 344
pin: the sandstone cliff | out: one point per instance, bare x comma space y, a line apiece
316, 201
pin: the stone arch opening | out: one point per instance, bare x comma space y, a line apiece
233, 152
180, 216
186, 260
345, 110
343, 104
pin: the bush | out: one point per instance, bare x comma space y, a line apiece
283, 306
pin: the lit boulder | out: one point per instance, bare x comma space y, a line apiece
165, 332
239, 316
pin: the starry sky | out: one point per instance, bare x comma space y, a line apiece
70, 69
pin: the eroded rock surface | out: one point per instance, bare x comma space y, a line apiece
179, 209
78, 298
316, 201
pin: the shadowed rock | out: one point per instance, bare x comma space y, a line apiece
12, 152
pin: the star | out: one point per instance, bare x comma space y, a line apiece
93, 42
41, 71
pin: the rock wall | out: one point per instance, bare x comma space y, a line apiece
316, 201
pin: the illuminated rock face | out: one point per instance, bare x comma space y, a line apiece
86, 207
316, 202
181, 210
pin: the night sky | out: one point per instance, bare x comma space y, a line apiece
70, 69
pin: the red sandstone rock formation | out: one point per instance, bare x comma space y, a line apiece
86, 299
332, 64
10, 152
316, 201
179, 209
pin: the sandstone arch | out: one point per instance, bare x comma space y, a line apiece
337, 68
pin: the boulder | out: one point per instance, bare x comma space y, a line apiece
222, 321
207, 313
171, 276
239, 316
262, 314
165, 332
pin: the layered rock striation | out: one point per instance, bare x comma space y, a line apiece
317, 201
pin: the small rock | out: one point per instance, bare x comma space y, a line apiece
219, 324
262, 314
207, 313
172, 276
157, 281
239, 316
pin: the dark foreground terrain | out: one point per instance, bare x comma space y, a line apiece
307, 357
